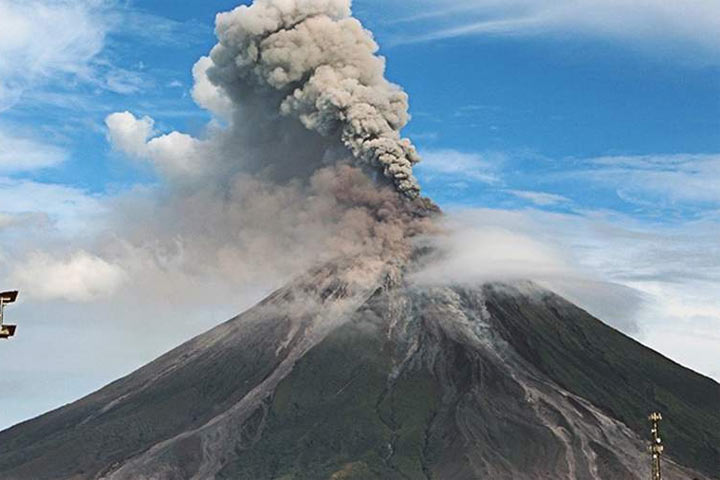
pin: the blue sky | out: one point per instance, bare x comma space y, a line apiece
544, 102
591, 126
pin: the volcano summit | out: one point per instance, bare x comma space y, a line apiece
331, 378
353, 370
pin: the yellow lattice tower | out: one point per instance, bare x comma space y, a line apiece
656, 447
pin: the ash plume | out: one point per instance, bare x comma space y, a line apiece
313, 62
307, 164
303, 164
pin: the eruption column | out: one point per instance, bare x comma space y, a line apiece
320, 66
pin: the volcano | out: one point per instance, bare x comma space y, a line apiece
348, 376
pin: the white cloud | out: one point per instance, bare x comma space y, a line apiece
662, 25
174, 154
691, 333
23, 154
120, 80
206, 94
475, 254
80, 277
128, 133
651, 280
539, 198
58, 44
157, 29
654, 184
465, 166
655, 280
648, 179
40, 39
71, 212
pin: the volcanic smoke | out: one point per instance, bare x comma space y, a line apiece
321, 65
304, 164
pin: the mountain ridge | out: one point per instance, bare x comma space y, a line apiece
335, 378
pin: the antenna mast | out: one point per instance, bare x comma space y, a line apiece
656, 447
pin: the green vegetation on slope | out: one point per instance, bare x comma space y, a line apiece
334, 418
614, 372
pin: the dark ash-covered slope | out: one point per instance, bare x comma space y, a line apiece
330, 379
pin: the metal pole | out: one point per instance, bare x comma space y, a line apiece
6, 331
656, 447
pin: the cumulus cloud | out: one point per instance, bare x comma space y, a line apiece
208, 95
174, 153
79, 277
128, 133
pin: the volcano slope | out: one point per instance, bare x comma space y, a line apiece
335, 378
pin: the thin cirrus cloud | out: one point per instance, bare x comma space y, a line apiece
666, 25
40, 40
542, 199
683, 182
45, 43
656, 180
462, 166
22, 154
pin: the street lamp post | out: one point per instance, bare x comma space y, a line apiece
6, 331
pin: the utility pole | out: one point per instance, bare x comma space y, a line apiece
656, 447
6, 331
